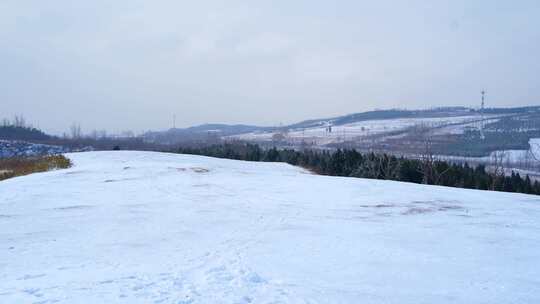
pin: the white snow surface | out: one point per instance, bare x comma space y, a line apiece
142, 227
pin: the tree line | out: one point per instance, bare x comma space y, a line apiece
351, 163
18, 129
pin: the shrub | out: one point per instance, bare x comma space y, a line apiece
17, 166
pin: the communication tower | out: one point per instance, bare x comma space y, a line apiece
482, 136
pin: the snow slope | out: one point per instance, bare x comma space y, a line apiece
140, 227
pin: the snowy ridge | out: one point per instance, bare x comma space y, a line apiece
142, 227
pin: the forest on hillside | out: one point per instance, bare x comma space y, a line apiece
351, 163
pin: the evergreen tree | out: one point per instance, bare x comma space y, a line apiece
376, 166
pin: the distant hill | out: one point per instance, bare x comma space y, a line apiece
382, 114
202, 131
225, 129
10, 132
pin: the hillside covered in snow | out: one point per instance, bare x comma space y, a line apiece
141, 227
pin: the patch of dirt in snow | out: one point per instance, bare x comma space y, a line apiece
31, 277
120, 180
366, 212
194, 169
75, 172
202, 185
178, 169
431, 206
200, 170
418, 210
379, 206
76, 207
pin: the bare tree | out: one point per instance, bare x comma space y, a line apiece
19, 121
499, 159
527, 160
390, 170
128, 134
534, 151
431, 174
534, 154
278, 137
428, 161
94, 134
102, 134
75, 131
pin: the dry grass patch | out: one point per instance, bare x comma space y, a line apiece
17, 166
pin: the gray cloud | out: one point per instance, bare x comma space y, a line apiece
132, 64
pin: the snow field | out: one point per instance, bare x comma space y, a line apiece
141, 227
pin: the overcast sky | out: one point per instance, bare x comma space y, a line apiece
131, 64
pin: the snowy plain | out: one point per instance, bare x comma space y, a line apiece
141, 227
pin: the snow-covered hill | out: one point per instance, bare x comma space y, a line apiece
139, 227
362, 129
